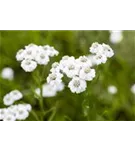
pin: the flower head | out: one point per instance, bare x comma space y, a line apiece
77, 85
28, 65
42, 58
116, 36
54, 78
7, 73
11, 97
86, 73
133, 89
112, 89
33, 55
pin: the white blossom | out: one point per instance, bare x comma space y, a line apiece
47, 91
86, 73
107, 50
9, 117
55, 67
7, 73
50, 50
21, 113
77, 85
20, 55
96, 48
11, 97
3, 112
71, 69
42, 58
83, 61
54, 78
15, 112
28, 65
133, 89
65, 60
16, 95
112, 89
60, 87
8, 100
100, 58
116, 36
92, 59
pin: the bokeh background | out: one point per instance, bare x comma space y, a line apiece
118, 71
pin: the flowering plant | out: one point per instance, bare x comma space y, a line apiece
79, 71
78, 81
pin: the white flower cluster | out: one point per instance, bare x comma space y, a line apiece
102, 52
33, 55
79, 70
49, 90
15, 112
11, 97
116, 36
7, 73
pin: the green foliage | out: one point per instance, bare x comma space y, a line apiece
95, 103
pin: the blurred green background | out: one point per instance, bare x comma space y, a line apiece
118, 71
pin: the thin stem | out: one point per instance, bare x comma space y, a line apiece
41, 99
49, 110
53, 115
35, 115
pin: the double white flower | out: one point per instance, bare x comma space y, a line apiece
11, 97
101, 52
33, 55
15, 112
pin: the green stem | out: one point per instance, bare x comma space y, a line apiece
41, 99
53, 115
49, 110
35, 115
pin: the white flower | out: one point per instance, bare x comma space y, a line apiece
65, 60
8, 100
20, 55
107, 50
32, 46
7, 73
9, 117
42, 58
116, 36
50, 50
83, 61
31, 51
133, 89
54, 78
100, 58
12, 109
112, 89
47, 91
55, 67
77, 85
3, 112
11, 97
86, 73
28, 107
91, 58
28, 65
71, 69
96, 48
60, 86
21, 113
16, 95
